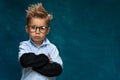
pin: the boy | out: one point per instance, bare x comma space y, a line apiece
39, 58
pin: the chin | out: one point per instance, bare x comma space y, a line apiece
37, 40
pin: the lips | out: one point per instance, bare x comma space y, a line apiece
36, 37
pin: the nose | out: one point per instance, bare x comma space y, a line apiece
37, 30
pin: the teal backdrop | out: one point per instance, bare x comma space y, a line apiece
86, 32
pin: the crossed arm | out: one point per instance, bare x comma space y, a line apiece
41, 64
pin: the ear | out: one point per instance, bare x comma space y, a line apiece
26, 28
48, 30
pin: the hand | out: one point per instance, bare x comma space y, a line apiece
49, 58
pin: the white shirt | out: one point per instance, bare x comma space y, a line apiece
47, 48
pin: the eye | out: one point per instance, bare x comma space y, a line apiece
43, 28
33, 27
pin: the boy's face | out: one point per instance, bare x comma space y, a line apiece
37, 29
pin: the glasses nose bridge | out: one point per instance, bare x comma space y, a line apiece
37, 28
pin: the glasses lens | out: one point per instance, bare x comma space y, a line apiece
43, 29
32, 28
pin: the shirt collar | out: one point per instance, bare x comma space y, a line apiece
45, 42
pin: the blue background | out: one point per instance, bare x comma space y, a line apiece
86, 33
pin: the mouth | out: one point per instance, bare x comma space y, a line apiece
37, 37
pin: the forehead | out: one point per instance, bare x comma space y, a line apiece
38, 21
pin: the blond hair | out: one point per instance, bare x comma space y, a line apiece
37, 10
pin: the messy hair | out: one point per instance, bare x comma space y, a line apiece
37, 10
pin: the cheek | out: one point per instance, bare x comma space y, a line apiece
31, 34
43, 35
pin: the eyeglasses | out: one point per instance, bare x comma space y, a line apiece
34, 28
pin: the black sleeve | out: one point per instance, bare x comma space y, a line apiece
32, 60
50, 70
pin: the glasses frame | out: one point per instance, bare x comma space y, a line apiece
42, 29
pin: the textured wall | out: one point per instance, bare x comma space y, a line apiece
86, 33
